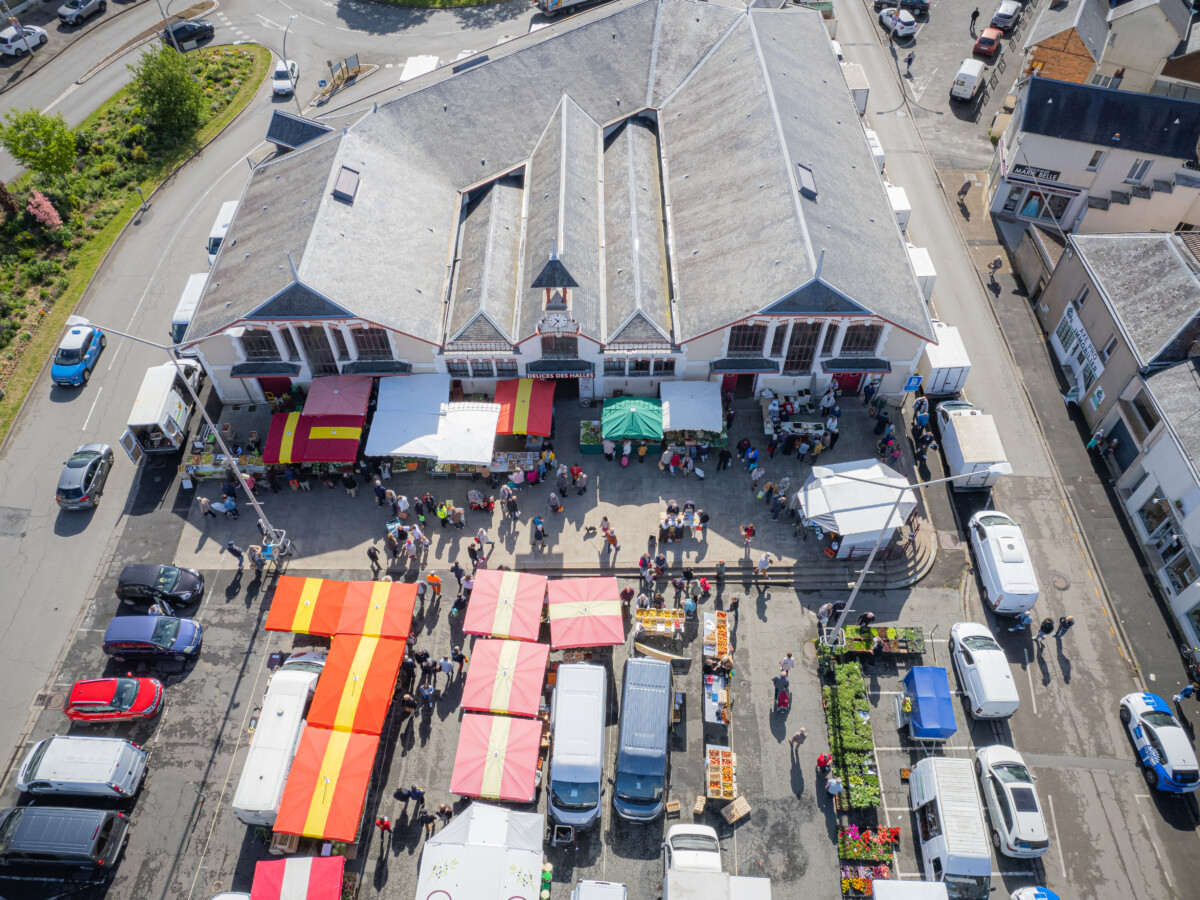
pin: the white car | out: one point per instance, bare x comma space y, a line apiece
283, 79
1161, 743
16, 41
1018, 826
1010, 585
1006, 15
899, 22
692, 847
984, 672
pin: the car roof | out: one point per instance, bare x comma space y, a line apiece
132, 628
78, 337
93, 690
139, 573
967, 629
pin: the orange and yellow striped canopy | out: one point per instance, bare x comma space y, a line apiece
526, 406
378, 609
306, 605
496, 758
327, 785
357, 684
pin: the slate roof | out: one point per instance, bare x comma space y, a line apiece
739, 100
1177, 392
290, 131
1150, 283
1089, 18
1145, 123
1173, 11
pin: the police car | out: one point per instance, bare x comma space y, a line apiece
1161, 743
77, 355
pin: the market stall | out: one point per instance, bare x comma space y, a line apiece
357, 684
791, 414
585, 612
720, 771
497, 758
526, 406
327, 785
299, 878
635, 418
692, 413
926, 707
484, 853
659, 623
505, 677
338, 395
306, 605
378, 609
717, 700
408, 411
465, 438
296, 438
862, 511
506, 604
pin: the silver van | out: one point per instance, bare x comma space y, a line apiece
220, 228
599, 890
61, 836
577, 761
643, 763
83, 766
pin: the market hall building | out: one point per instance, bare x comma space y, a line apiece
652, 190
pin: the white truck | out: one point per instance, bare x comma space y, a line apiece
955, 849
901, 208
860, 88
159, 420
922, 265
692, 869
944, 366
972, 445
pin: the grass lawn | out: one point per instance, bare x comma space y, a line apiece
44, 274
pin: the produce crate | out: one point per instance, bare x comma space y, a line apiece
738, 809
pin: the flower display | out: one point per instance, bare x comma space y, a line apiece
867, 844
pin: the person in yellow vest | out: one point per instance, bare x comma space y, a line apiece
443, 511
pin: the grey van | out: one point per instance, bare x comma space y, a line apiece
62, 836
577, 760
72, 765
640, 790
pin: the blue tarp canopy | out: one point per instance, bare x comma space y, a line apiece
932, 716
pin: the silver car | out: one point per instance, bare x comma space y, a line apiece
74, 12
82, 480
1006, 15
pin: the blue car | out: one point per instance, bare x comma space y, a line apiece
152, 637
1164, 748
77, 355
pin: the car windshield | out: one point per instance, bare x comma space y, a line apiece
79, 460
68, 356
74, 4
647, 789
168, 577
701, 842
1012, 773
574, 794
988, 521
1159, 719
969, 887
127, 690
165, 630
980, 642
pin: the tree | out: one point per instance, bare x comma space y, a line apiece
43, 210
43, 143
173, 100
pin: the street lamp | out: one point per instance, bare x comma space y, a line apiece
270, 533
285, 56
826, 472
170, 34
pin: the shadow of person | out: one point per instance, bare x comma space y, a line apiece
1064, 664
1041, 661
962, 208
797, 773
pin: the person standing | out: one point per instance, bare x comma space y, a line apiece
427, 695
482, 536
1044, 629
581, 483
435, 585
832, 432
254, 551
539, 532
350, 484
427, 819
786, 664
554, 503
373, 556
864, 619
764, 564
641, 451
235, 551
974, 19
1023, 621
1097, 440
747, 532
445, 812
908, 61
458, 572
457, 655
206, 507
723, 459
795, 741
380, 492
510, 507
823, 614
576, 470
384, 824
446, 666
611, 540
1065, 624
721, 573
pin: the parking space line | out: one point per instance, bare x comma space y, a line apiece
93, 408
1057, 841
1154, 846
1029, 673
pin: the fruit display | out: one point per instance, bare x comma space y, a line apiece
721, 777
722, 634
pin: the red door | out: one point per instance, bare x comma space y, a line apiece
728, 384
275, 387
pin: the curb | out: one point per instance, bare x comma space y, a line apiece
322, 98
118, 54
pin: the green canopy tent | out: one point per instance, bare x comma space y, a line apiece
636, 418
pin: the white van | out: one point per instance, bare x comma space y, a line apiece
876, 148
955, 849
577, 760
189, 302
280, 724
968, 80
83, 766
220, 229
1010, 585
599, 890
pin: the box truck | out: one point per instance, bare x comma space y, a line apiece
901, 208
856, 81
944, 366
971, 443
159, 420
922, 265
955, 849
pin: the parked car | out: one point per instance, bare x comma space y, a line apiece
988, 42
152, 637
74, 12
62, 837
82, 480
1006, 15
77, 355
899, 22
917, 6
16, 41
1161, 743
114, 699
967, 80
984, 672
180, 33
284, 78
1018, 826
142, 584
1010, 585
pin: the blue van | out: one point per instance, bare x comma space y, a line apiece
643, 764
152, 637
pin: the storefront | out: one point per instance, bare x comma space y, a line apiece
1078, 358
1034, 194
572, 377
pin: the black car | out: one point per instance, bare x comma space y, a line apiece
917, 6
180, 33
141, 585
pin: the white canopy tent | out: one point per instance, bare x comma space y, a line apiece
857, 510
485, 853
691, 406
466, 433
407, 415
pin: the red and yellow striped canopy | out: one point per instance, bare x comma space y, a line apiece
506, 604
496, 758
585, 612
357, 684
526, 406
327, 785
306, 605
505, 677
378, 609
296, 438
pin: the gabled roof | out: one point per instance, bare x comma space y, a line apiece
1145, 123
290, 131
816, 298
297, 301
484, 294
1087, 17
1173, 11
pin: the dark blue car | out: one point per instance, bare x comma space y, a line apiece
152, 637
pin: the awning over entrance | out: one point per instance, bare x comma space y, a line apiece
377, 367
265, 370
526, 406
297, 438
856, 364
753, 365
636, 418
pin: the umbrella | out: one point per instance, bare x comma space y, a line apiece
505, 677
378, 609
306, 605
526, 406
585, 612
632, 417
338, 395
327, 785
299, 878
357, 684
496, 758
506, 605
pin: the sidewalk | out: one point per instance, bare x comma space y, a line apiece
332, 530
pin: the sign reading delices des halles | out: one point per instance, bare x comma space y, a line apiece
1040, 174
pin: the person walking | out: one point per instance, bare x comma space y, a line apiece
974, 19
458, 572
1096, 441
427, 694
384, 824
908, 61
1044, 629
350, 484
611, 540
755, 475
482, 537
427, 819
1065, 623
786, 664
457, 655
206, 507
554, 503
747, 532
446, 666
641, 451
581, 484
539, 532
764, 565
723, 459
418, 795
1188, 690
721, 573
435, 585
511, 507
373, 556
734, 602
795, 741
964, 190
1023, 621
235, 551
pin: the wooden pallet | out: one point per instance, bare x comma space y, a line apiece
738, 809
698, 809
283, 844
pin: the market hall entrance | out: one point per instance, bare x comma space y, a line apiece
742, 385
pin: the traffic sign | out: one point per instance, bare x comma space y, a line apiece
914, 382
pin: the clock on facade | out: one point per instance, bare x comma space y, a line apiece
557, 322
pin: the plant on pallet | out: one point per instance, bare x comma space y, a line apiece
866, 844
851, 741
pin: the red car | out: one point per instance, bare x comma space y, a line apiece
114, 699
989, 41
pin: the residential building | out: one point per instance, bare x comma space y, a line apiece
656, 190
